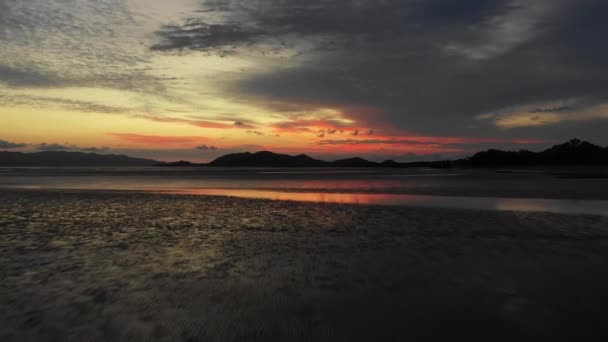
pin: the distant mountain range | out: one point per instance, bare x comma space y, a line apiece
270, 159
266, 158
573, 152
63, 158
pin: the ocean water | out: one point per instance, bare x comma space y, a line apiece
470, 189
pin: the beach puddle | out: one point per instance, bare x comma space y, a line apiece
593, 207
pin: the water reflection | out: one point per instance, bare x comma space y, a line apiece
594, 207
154, 181
470, 189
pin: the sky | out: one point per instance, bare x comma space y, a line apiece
382, 79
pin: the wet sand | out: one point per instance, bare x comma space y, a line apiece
98, 266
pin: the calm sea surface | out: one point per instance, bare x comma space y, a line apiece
488, 190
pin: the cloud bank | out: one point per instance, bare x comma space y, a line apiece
10, 145
425, 66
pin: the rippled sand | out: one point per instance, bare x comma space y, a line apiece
79, 266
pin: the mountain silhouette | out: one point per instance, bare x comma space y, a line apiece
573, 152
270, 159
63, 158
266, 159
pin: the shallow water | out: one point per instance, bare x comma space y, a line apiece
594, 207
466, 189
325, 179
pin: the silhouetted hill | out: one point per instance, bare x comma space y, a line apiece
266, 159
63, 158
573, 152
269, 159
181, 163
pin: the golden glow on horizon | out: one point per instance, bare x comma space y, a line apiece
116, 92
193, 79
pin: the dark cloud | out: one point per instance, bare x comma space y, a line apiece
553, 109
373, 142
243, 124
69, 147
8, 144
194, 34
56, 147
282, 23
46, 102
26, 78
95, 149
428, 66
206, 148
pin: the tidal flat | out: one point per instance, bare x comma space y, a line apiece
127, 266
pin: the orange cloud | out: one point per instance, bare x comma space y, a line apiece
157, 139
426, 140
416, 144
372, 148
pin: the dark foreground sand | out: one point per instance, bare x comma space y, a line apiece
120, 266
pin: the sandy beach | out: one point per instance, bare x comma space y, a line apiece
103, 266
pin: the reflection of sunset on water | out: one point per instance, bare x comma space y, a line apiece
317, 197
479, 190
595, 207
527, 205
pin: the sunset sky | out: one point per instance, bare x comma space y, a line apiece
400, 79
